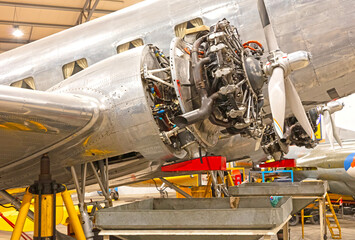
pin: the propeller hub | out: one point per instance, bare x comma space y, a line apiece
288, 62
331, 107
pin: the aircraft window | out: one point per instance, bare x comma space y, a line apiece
333, 94
129, 45
180, 29
71, 68
28, 83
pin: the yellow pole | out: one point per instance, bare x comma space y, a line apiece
73, 217
302, 220
230, 180
46, 216
208, 187
21, 218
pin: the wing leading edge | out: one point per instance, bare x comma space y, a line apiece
35, 122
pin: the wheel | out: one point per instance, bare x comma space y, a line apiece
294, 220
348, 211
315, 218
280, 235
114, 195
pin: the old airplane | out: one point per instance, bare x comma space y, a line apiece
165, 81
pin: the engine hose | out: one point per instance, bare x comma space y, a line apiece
206, 102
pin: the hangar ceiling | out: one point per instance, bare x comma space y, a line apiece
40, 18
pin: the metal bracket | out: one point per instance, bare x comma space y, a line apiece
172, 186
148, 75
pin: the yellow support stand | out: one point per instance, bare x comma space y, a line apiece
208, 188
20, 222
46, 212
47, 216
73, 217
44, 191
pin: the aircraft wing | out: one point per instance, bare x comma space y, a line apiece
35, 122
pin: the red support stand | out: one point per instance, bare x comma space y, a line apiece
209, 163
286, 163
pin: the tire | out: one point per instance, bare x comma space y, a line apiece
295, 219
114, 195
315, 218
348, 211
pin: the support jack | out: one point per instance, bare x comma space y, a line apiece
44, 193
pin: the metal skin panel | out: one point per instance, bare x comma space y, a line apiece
180, 73
125, 125
322, 27
128, 123
98, 39
299, 25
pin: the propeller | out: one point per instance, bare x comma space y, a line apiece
329, 125
281, 88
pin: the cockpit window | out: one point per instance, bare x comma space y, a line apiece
129, 45
180, 29
28, 83
72, 68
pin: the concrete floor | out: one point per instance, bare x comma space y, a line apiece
312, 232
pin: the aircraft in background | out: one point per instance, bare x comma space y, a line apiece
334, 164
105, 91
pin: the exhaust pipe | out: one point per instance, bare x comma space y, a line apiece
206, 102
198, 114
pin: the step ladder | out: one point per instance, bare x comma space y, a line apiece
335, 225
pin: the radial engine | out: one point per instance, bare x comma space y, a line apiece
211, 85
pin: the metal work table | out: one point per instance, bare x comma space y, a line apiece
302, 193
248, 215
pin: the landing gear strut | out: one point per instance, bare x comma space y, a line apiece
100, 171
44, 191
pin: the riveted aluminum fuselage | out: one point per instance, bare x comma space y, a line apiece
325, 28
125, 121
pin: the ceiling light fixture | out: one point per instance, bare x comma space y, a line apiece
17, 32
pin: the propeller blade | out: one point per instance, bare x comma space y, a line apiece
294, 101
328, 128
335, 134
268, 30
277, 99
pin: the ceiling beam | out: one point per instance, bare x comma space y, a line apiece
92, 10
87, 11
50, 7
34, 24
82, 13
15, 41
